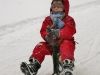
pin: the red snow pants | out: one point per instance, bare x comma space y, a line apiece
66, 50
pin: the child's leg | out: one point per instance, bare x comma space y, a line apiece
40, 51
67, 50
36, 59
67, 57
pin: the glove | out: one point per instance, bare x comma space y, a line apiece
52, 35
56, 32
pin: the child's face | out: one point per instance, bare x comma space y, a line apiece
57, 9
57, 6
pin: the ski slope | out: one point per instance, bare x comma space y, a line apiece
20, 22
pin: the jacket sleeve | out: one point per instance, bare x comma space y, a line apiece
43, 31
68, 30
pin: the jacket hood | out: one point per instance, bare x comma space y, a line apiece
65, 4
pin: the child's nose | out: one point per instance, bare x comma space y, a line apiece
56, 7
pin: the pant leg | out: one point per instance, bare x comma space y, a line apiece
40, 51
67, 50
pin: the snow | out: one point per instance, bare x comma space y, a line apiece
20, 22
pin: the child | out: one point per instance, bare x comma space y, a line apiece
63, 35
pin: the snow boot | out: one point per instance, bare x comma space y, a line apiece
30, 69
67, 67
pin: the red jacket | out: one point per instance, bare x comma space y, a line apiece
67, 31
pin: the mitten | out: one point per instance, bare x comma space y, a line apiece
52, 35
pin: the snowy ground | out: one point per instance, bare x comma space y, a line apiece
20, 22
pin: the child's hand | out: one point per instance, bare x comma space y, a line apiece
52, 35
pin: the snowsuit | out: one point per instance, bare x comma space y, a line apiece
65, 39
